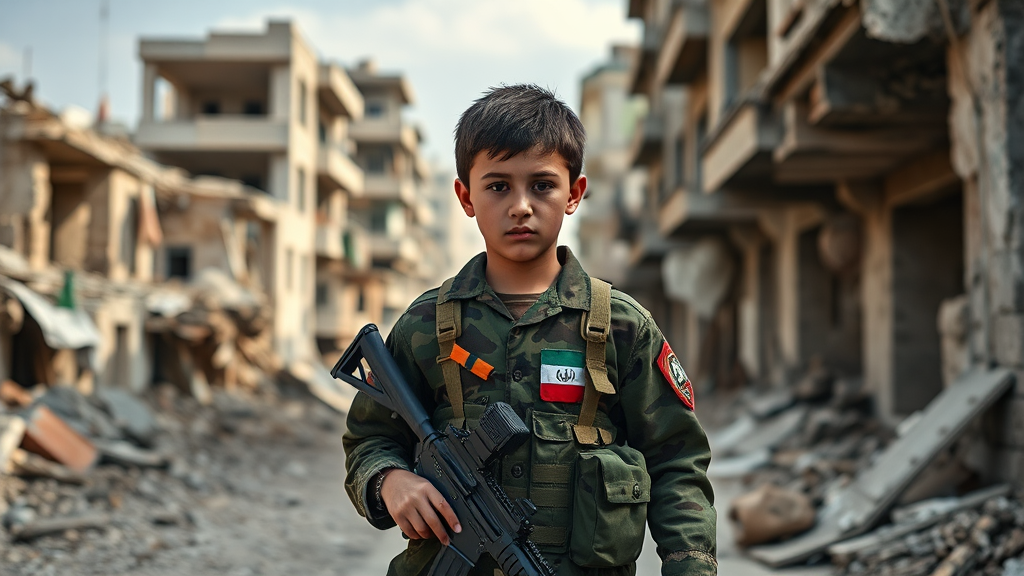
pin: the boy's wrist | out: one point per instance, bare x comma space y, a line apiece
378, 485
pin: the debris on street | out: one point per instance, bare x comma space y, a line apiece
173, 484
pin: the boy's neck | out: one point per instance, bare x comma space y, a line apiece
533, 277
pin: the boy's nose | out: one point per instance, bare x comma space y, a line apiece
520, 205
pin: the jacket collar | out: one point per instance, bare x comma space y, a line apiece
571, 288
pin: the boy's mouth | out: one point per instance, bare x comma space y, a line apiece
520, 232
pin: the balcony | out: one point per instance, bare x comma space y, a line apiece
338, 93
699, 211
330, 241
647, 140
392, 188
215, 133
385, 248
341, 169
356, 243
739, 151
683, 51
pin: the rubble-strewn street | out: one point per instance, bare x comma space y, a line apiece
253, 485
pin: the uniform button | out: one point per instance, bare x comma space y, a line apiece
517, 375
517, 470
636, 491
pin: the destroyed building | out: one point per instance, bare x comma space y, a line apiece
828, 192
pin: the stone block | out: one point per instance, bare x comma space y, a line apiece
1008, 339
49, 436
1009, 466
1013, 423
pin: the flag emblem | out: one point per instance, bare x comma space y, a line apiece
676, 376
562, 376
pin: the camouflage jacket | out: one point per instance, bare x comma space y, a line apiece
647, 414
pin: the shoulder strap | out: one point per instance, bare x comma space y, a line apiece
595, 326
448, 328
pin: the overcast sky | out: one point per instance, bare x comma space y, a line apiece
451, 50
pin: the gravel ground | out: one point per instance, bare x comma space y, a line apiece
254, 486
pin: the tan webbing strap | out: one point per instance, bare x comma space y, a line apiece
595, 327
449, 327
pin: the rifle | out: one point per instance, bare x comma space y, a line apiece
457, 463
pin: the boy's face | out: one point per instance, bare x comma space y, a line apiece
519, 203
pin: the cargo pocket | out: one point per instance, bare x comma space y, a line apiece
609, 507
550, 490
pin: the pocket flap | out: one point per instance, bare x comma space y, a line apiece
624, 483
553, 427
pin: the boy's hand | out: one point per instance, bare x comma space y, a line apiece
414, 504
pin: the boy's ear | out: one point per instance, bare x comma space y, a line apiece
462, 192
576, 192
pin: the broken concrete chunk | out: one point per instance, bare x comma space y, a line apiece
130, 414
858, 506
767, 403
30, 465
739, 466
770, 513
37, 528
77, 412
126, 454
770, 433
12, 429
14, 395
49, 436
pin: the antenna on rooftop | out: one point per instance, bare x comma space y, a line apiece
104, 104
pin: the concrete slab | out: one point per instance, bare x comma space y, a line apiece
129, 414
47, 435
860, 505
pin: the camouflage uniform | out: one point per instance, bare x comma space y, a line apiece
646, 414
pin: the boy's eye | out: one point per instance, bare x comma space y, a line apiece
543, 186
497, 187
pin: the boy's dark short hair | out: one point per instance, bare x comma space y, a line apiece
509, 120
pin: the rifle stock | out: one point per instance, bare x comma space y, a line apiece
457, 463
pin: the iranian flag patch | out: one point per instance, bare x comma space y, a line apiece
676, 376
562, 377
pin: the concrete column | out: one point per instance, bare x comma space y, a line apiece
781, 226
748, 306
149, 76
868, 200
38, 233
279, 107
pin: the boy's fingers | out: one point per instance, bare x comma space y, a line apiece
446, 511
436, 526
419, 526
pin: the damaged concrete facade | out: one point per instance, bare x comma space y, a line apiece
227, 239
80, 224
834, 182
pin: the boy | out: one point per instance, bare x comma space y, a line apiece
615, 442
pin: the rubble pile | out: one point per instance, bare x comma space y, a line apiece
807, 440
986, 540
215, 332
158, 474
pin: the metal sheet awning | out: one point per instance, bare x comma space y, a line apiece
63, 328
